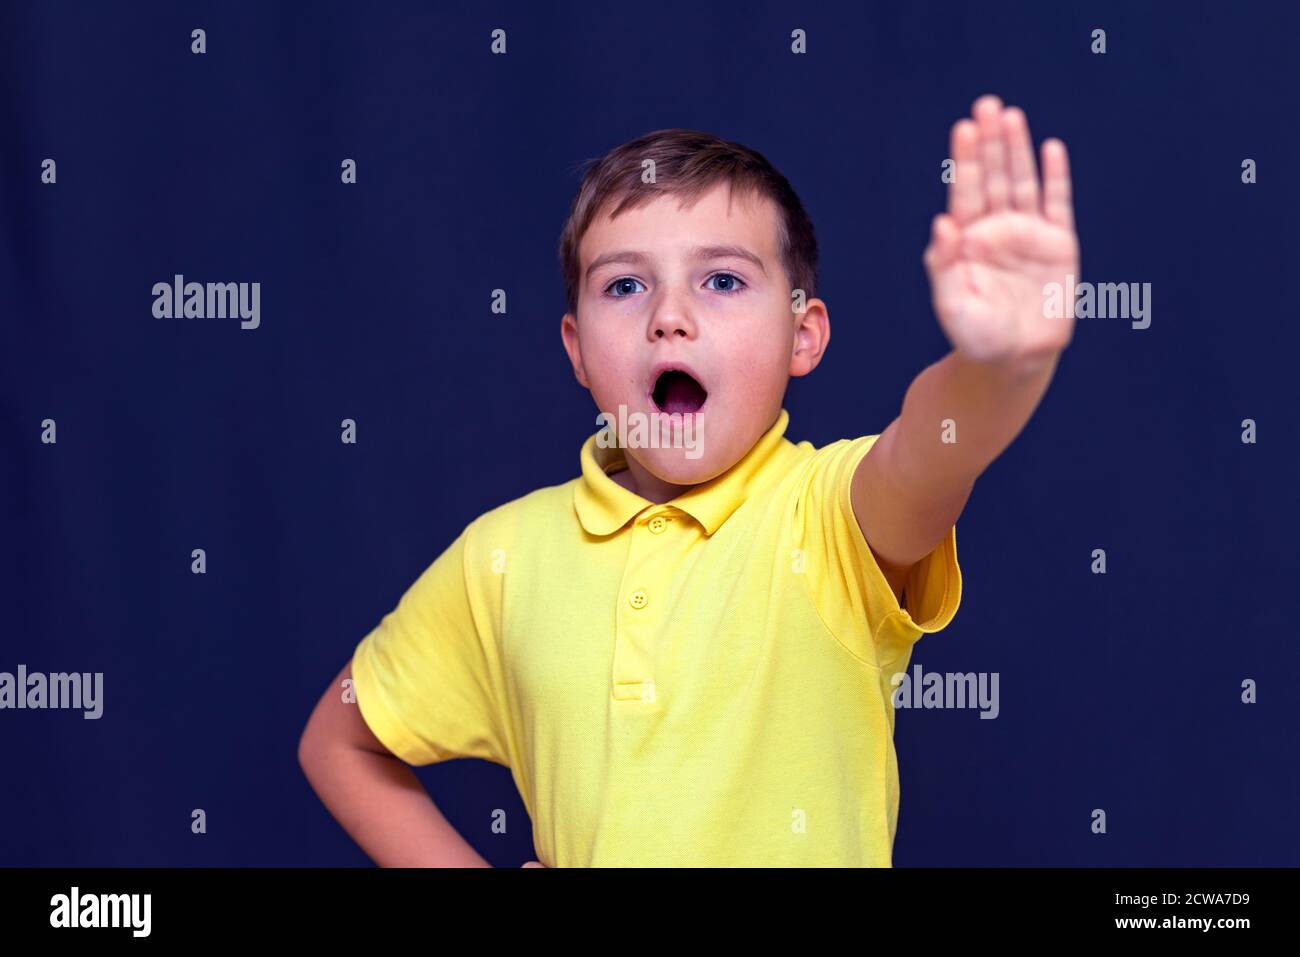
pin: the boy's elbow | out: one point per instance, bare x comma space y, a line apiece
305, 748
310, 743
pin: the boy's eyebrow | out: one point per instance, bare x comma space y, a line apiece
728, 252
697, 252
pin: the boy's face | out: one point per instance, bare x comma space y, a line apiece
701, 287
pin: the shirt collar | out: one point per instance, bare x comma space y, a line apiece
604, 506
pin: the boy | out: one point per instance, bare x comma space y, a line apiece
684, 655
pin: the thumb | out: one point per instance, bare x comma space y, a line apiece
945, 243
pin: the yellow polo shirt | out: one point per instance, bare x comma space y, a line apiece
702, 682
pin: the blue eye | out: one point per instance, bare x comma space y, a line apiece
733, 278
617, 283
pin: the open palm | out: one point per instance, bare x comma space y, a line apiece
1002, 240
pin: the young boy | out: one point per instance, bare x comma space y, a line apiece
684, 655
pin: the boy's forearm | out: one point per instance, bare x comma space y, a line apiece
993, 257
383, 806
957, 417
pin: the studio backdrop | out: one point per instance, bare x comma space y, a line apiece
208, 514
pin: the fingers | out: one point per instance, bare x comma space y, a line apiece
1058, 206
1020, 150
995, 170
993, 152
966, 192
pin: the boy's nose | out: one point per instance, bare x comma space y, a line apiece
671, 318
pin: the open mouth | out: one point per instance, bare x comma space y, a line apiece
676, 391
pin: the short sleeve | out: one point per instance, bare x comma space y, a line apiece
422, 677
852, 595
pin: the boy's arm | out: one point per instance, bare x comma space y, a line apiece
373, 794
990, 258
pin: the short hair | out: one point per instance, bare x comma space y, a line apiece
687, 163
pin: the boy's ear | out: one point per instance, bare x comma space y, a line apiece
569, 335
812, 334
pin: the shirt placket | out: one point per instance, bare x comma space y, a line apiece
643, 601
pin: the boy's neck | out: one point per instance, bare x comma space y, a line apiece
636, 479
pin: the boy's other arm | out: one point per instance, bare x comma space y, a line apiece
992, 259
372, 793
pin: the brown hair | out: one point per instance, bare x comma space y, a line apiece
687, 163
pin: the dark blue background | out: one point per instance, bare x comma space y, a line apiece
1119, 692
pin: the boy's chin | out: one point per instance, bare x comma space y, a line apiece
679, 466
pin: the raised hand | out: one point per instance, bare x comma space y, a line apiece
1002, 240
